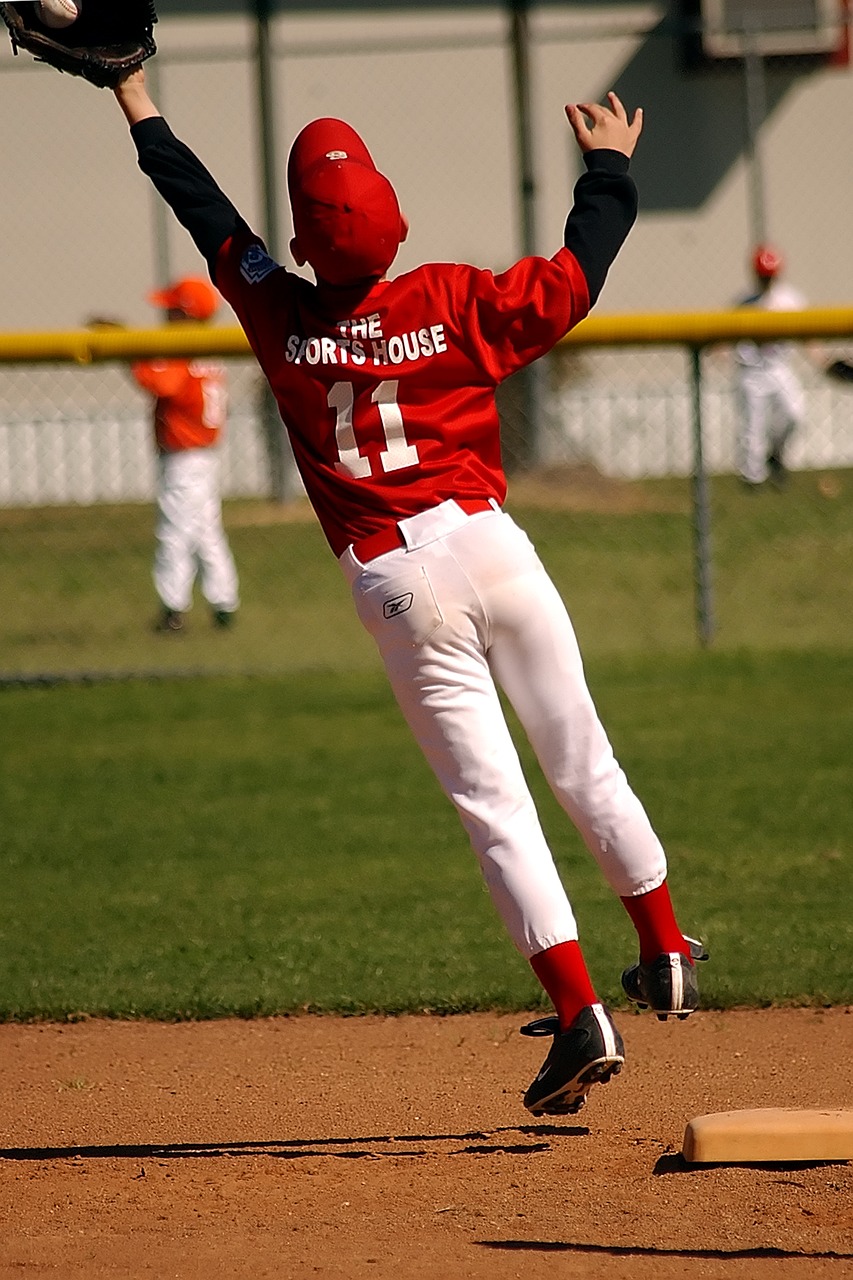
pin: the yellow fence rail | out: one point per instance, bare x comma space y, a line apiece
686, 329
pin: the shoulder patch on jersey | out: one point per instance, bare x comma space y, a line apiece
256, 264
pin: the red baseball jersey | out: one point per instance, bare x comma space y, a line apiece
190, 401
388, 397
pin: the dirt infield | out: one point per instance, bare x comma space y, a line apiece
380, 1147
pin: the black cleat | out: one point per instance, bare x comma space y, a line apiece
589, 1052
169, 620
778, 472
668, 985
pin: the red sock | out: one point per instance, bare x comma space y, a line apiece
563, 973
654, 921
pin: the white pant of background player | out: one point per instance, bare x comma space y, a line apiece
771, 405
191, 539
465, 605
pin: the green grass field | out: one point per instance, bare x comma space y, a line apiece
269, 839
76, 583
256, 845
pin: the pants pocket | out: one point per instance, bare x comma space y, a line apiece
398, 610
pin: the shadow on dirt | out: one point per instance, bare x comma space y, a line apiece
647, 1251
373, 1147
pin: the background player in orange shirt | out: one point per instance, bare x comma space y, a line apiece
190, 403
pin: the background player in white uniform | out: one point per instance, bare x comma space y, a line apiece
387, 389
770, 397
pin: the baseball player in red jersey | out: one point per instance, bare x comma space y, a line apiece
387, 389
190, 401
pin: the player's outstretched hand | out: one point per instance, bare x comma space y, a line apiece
596, 127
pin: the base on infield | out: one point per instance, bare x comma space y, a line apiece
769, 1134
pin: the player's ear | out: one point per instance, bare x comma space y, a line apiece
298, 256
404, 227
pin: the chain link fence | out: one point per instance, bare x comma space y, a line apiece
600, 441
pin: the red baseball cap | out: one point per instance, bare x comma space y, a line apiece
346, 218
766, 262
196, 298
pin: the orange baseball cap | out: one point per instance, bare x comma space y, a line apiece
195, 297
346, 219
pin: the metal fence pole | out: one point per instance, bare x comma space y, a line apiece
524, 412
755, 93
520, 36
284, 482
702, 561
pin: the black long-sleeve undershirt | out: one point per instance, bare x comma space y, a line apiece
604, 210
190, 190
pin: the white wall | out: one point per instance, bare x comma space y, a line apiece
432, 94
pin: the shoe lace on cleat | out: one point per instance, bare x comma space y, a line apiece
548, 1026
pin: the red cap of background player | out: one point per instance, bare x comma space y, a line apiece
346, 219
196, 298
766, 262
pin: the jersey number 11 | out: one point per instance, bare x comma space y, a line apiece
398, 453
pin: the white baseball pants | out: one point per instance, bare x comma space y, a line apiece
772, 406
190, 535
466, 606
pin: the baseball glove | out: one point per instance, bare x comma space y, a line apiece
840, 370
108, 39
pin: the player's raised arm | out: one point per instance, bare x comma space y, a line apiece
605, 197
181, 179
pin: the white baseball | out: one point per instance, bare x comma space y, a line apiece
58, 13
